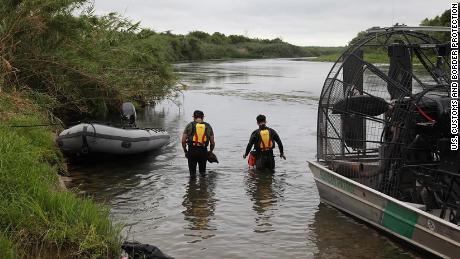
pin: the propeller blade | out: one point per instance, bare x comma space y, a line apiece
361, 104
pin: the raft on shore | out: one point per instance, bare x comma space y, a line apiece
87, 138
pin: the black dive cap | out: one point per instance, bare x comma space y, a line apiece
261, 118
198, 114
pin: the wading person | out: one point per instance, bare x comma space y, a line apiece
197, 136
263, 140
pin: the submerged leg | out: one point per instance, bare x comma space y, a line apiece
202, 167
272, 161
265, 160
192, 162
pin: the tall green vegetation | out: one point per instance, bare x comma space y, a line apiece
74, 66
6, 247
80, 64
198, 45
37, 218
439, 20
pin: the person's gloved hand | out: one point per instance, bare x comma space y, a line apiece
282, 156
186, 154
244, 156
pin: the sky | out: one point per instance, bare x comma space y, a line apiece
300, 22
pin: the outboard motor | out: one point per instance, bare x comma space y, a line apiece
128, 116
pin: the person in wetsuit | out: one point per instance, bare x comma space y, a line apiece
197, 136
263, 140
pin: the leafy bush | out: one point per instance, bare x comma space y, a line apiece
87, 64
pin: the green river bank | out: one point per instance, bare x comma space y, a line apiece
37, 213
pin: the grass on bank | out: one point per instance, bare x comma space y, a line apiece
36, 215
372, 57
6, 247
377, 57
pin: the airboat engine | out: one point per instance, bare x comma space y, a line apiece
129, 115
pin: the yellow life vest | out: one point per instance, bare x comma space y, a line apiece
199, 138
265, 140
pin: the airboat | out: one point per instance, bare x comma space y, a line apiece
384, 142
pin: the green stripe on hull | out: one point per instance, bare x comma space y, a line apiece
399, 219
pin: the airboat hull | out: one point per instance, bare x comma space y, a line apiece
102, 139
397, 218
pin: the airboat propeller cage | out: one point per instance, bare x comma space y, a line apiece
387, 125
129, 112
348, 134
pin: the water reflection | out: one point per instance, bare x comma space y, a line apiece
199, 202
105, 177
222, 216
330, 236
213, 74
166, 114
264, 191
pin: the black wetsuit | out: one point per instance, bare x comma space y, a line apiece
197, 155
264, 159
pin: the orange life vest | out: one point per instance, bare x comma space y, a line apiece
199, 135
266, 142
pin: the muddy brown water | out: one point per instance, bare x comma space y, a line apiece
233, 213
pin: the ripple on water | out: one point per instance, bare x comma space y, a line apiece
233, 213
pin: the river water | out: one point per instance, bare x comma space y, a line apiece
233, 213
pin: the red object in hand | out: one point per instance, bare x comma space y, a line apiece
251, 160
